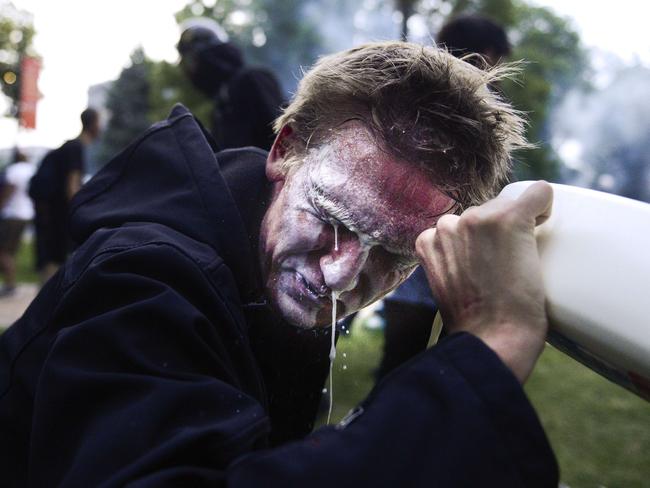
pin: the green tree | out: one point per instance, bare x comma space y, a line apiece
287, 35
555, 61
406, 8
169, 85
274, 34
16, 34
128, 105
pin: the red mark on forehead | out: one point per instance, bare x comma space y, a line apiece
404, 203
408, 187
398, 180
389, 198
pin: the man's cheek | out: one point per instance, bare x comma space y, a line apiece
302, 237
388, 280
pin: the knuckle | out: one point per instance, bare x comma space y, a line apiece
446, 224
490, 217
508, 217
424, 243
472, 218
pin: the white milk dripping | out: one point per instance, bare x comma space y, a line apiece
366, 245
336, 236
335, 296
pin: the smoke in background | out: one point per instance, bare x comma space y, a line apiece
343, 24
603, 135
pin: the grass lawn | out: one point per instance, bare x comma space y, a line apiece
25, 271
599, 431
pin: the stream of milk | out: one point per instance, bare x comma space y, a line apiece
336, 237
335, 296
332, 354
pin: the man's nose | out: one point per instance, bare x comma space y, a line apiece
341, 267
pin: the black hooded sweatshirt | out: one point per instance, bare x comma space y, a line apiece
151, 360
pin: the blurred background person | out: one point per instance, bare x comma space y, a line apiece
246, 99
410, 310
475, 34
17, 211
58, 179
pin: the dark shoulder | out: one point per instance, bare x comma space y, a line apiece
253, 79
71, 149
241, 156
144, 245
254, 73
72, 145
141, 262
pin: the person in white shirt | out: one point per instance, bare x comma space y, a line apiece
17, 211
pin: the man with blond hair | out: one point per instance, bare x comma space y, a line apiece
186, 342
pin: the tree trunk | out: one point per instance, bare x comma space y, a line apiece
406, 8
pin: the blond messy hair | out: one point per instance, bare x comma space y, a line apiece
422, 104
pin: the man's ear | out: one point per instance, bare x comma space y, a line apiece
275, 170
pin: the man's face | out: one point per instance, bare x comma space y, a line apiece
377, 204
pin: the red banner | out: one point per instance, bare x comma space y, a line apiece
29, 95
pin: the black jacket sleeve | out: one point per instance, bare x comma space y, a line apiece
454, 416
144, 387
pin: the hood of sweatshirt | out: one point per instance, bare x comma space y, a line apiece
170, 176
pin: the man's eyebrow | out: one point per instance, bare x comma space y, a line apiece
334, 210
345, 217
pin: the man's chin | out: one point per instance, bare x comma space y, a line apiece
300, 315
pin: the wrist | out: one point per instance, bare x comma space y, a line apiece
517, 346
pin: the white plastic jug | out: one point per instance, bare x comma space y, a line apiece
595, 254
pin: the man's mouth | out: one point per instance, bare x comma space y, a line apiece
315, 292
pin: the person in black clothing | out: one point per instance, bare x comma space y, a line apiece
466, 35
186, 341
50, 221
246, 99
